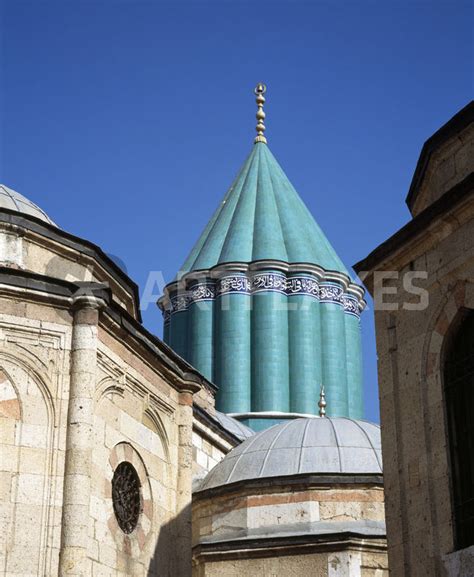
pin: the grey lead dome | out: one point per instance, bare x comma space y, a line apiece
302, 446
234, 426
13, 200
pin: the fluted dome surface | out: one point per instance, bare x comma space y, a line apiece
264, 307
262, 217
13, 200
303, 446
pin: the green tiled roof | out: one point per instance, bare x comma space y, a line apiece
262, 217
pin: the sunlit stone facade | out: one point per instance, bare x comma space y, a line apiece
427, 433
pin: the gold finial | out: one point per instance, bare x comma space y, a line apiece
260, 90
322, 402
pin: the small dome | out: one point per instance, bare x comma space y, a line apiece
13, 200
234, 426
303, 446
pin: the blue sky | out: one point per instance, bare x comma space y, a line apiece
127, 121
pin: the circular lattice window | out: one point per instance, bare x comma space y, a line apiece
126, 496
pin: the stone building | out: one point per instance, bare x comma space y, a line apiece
104, 427
87, 393
304, 497
422, 279
88, 397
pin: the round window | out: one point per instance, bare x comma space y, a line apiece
126, 496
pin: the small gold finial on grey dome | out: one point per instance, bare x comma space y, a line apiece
260, 90
322, 402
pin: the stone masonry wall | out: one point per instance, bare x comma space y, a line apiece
35, 253
350, 562
134, 414
448, 165
135, 421
208, 449
414, 439
265, 515
233, 514
35, 344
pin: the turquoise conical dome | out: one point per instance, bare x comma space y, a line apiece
265, 308
262, 217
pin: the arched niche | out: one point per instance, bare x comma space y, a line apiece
132, 415
441, 325
458, 384
27, 447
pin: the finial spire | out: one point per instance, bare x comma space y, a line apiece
322, 402
260, 90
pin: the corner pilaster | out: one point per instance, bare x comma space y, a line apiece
76, 496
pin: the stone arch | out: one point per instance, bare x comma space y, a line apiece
128, 427
152, 419
28, 419
21, 359
441, 323
10, 405
456, 369
107, 388
134, 543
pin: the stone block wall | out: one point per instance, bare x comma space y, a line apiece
57, 368
34, 377
410, 345
448, 165
280, 531
209, 448
351, 562
235, 513
34, 252
133, 422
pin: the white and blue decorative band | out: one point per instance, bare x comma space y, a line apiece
201, 292
302, 285
233, 284
330, 293
179, 303
324, 292
268, 282
351, 306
